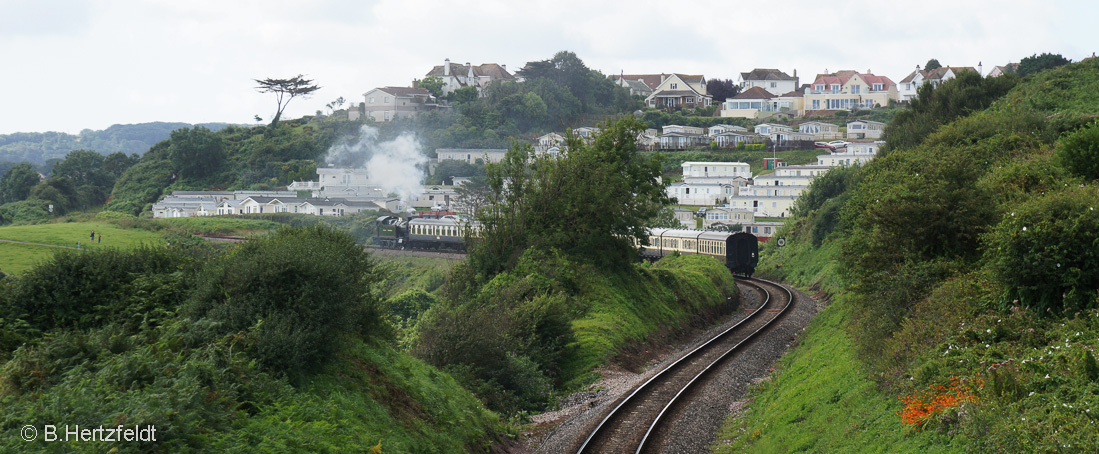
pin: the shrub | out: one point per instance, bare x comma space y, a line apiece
1079, 151
296, 294
1046, 252
85, 290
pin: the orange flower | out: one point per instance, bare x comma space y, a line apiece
919, 407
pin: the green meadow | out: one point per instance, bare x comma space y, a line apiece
49, 238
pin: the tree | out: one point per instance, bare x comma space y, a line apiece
464, 95
932, 64
195, 153
722, 89
16, 184
591, 202
285, 90
83, 167
335, 105
433, 84
1038, 63
665, 218
59, 191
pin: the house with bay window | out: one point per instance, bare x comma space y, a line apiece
847, 90
680, 91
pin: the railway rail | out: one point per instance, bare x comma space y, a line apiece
638, 424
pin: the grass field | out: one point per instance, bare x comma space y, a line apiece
16, 257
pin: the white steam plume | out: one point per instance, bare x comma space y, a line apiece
394, 165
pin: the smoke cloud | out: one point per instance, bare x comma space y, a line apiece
394, 165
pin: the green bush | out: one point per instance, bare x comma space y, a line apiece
296, 295
76, 289
32, 211
1079, 151
1046, 251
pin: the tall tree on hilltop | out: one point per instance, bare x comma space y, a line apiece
721, 89
932, 64
1038, 63
285, 90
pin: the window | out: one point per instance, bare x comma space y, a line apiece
818, 87
372, 100
816, 104
774, 84
877, 87
386, 100
675, 86
856, 89
835, 88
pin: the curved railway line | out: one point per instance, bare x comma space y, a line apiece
638, 424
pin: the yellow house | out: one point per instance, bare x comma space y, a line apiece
847, 90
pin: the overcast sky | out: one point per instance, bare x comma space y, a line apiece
70, 65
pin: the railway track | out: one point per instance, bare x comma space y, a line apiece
638, 424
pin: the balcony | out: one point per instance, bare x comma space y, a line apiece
304, 186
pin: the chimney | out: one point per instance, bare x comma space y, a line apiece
446, 67
504, 67
980, 69
470, 74
662, 76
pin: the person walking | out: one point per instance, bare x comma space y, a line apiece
99, 239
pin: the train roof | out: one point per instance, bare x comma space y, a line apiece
693, 234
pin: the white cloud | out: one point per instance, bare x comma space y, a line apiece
90, 64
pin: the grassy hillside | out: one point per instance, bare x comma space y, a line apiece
279, 344
964, 274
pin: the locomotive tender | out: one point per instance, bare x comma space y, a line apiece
739, 252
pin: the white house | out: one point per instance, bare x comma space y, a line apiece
718, 129
818, 130
685, 217
775, 81
455, 76
727, 216
730, 170
676, 137
732, 138
908, 86
388, 103
471, 155
702, 194
766, 201
865, 129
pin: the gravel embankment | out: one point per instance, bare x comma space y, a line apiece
724, 393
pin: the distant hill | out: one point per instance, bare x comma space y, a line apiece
39, 147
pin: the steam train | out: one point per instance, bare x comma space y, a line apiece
738, 251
